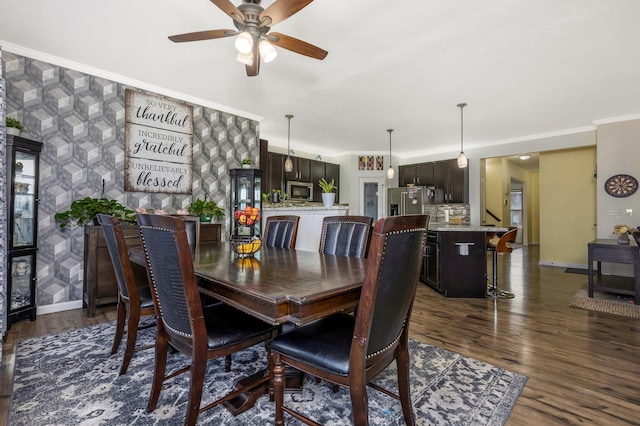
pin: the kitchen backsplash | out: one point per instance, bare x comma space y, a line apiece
449, 213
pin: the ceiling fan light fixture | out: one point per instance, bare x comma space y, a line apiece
463, 161
267, 52
245, 58
244, 42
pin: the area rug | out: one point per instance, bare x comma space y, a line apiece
606, 302
71, 379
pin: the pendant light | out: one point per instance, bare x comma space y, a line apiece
288, 164
390, 172
463, 161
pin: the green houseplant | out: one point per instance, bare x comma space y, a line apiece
327, 187
206, 210
14, 126
85, 210
328, 194
246, 163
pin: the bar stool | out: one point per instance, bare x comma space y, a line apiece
495, 245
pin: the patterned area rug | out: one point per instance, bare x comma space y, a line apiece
71, 379
606, 302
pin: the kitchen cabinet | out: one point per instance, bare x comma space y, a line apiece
274, 173
431, 262
332, 171
304, 170
318, 171
453, 181
301, 170
23, 159
417, 174
451, 273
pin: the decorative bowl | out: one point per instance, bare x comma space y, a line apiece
247, 217
245, 245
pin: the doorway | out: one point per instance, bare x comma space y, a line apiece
518, 209
371, 200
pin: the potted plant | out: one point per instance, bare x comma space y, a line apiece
246, 163
206, 210
14, 126
86, 209
328, 196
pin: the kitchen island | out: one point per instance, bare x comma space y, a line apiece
311, 216
455, 259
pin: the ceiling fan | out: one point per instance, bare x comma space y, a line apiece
253, 40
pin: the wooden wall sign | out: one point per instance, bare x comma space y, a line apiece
158, 144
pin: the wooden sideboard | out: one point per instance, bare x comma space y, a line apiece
100, 286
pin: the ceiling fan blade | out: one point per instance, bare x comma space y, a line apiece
297, 46
254, 68
281, 10
202, 35
227, 7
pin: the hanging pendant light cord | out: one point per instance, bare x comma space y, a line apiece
461, 106
389, 130
289, 117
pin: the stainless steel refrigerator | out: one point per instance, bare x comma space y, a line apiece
409, 200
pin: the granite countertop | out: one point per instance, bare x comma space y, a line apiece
464, 227
302, 206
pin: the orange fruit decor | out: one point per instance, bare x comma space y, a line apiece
249, 216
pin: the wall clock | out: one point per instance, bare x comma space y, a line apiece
621, 186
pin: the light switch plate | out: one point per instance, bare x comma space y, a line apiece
629, 212
613, 212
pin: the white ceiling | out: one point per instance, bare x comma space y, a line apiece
525, 68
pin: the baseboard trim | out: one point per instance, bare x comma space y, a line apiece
58, 307
563, 264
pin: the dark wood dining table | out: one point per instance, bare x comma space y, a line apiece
279, 286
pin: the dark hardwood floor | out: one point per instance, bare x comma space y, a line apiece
583, 367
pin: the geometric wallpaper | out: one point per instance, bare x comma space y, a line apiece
3, 215
80, 120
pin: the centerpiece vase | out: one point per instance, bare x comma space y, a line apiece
623, 238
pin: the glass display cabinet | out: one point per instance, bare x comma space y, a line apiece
22, 190
246, 191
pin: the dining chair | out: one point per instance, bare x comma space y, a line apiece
134, 296
345, 235
281, 231
200, 332
500, 244
351, 350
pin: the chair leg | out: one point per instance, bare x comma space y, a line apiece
494, 291
158, 372
404, 389
359, 402
278, 388
227, 363
132, 333
122, 316
198, 369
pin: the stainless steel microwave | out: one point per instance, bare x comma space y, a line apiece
300, 191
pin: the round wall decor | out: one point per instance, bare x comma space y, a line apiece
621, 186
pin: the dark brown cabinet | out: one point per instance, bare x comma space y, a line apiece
100, 287
451, 271
318, 171
304, 170
301, 170
332, 171
417, 174
275, 172
23, 157
453, 181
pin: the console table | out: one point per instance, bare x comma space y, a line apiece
608, 250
